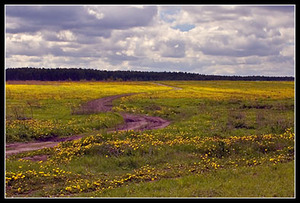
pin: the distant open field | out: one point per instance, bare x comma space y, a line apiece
150, 139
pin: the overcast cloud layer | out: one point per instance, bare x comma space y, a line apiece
223, 40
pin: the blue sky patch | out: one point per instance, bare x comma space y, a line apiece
166, 15
184, 27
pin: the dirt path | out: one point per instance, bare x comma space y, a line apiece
174, 88
18, 147
100, 105
131, 122
142, 122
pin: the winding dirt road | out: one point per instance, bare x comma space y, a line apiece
131, 122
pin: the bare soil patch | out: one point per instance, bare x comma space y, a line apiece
99, 105
36, 158
19, 147
142, 122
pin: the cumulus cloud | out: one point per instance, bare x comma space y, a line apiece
173, 48
239, 40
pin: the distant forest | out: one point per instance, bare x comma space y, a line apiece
77, 74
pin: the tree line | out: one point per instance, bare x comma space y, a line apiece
77, 74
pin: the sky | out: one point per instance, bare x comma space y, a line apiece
206, 39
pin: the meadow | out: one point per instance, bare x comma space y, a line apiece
226, 139
38, 110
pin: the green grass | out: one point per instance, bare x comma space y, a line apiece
260, 181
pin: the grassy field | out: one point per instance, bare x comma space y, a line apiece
226, 139
36, 110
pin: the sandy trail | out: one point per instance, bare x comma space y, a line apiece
131, 122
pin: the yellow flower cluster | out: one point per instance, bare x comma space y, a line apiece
207, 151
214, 146
145, 173
79, 90
38, 129
220, 90
18, 181
32, 127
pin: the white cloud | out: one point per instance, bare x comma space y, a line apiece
66, 35
287, 51
92, 11
246, 40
